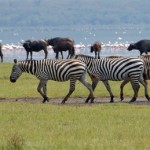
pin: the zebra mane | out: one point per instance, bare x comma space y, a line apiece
28, 65
82, 55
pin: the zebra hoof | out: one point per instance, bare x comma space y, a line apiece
92, 100
87, 100
63, 102
45, 100
148, 98
133, 100
112, 100
121, 97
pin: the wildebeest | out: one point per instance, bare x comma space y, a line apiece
96, 47
143, 46
1, 54
60, 44
36, 46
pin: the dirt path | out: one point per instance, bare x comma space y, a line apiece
78, 100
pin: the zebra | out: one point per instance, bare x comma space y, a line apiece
146, 59
146, 75
50, 69
105, 69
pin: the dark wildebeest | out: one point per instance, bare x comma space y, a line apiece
1, 54
36, 46
62, 44
96, 47
143, 46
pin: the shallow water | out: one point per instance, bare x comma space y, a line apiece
115, 40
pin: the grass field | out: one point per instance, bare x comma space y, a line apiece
36, 126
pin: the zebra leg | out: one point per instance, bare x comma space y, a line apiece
144, 83
121, 88
94, 84
89, 87
43, 84
109, 90
135, 87
72, 88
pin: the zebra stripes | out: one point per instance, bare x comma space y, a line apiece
57, 70
115, 69
146, 59
146, 75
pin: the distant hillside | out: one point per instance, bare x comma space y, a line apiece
73, 12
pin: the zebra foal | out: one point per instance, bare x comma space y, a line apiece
127, 69
57, 70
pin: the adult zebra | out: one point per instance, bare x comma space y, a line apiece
57, 70
146, 75
115, 69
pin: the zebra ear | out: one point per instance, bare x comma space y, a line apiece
15, 61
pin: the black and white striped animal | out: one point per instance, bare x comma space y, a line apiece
115, 69
146, 75
146, 59
57, 70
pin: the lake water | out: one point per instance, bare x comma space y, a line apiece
115, 40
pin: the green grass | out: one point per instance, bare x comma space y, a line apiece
69, 127
103, 126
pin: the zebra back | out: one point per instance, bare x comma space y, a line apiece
113, 69
51, 69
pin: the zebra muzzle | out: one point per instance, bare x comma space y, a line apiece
12, 80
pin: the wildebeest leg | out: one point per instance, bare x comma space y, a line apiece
61, 54
95, 54
98, 55
72, 88
46, 53
27, 55
69, 53
43, 84
57, 55
31, 54
1, 57
121, 88
72, 52
109, 90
